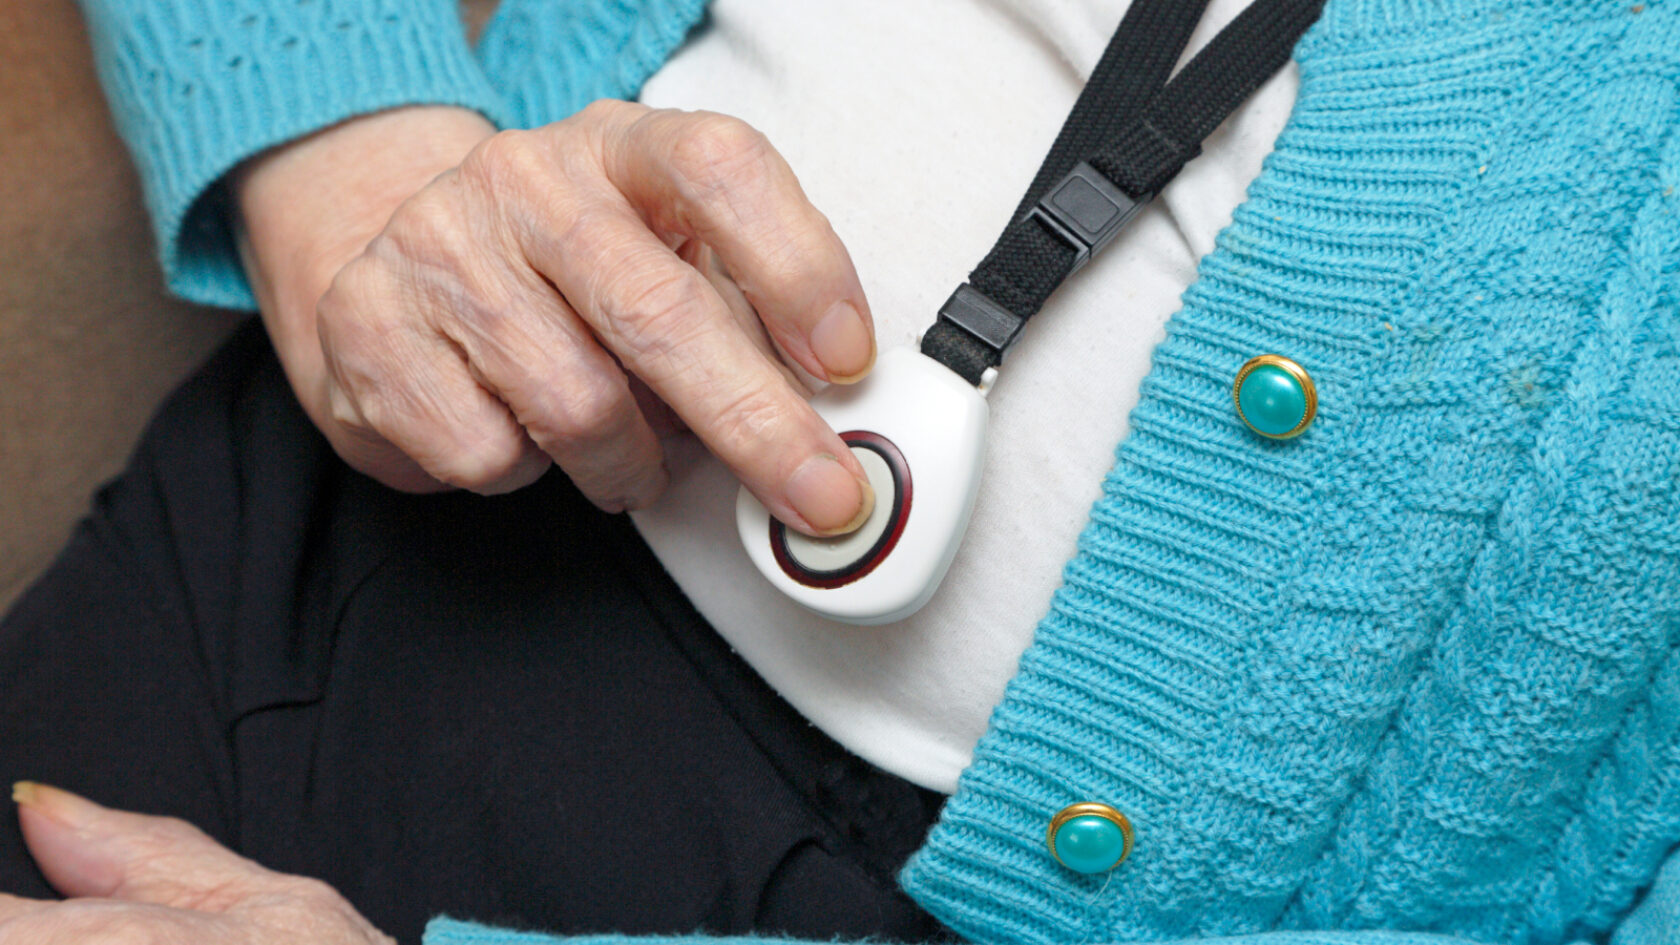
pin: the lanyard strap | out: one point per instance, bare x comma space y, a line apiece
1129, 134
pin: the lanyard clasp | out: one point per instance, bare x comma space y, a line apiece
1086, 211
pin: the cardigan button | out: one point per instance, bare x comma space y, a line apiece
1275, 397
1089, 837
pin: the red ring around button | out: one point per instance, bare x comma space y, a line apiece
840, 577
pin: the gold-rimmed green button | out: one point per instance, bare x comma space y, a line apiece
1089, 837
1275, 397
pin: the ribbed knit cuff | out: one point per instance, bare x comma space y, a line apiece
197, 86
551, 59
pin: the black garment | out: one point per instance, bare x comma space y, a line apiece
497, 708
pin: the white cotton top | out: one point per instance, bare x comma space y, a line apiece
916, 125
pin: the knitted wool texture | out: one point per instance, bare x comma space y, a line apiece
1415, 670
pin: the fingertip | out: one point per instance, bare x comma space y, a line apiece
62, 831
530, 466
828, 498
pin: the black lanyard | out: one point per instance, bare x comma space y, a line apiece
1130, 133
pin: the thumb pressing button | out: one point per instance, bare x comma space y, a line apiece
836, 561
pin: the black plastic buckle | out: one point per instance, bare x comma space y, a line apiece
1086, 210
976, 314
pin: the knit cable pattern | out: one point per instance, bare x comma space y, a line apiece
1528, 786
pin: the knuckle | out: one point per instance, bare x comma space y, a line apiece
362, 332
168, 833
605, 110
507, 161
428, 228
663, 312
455, 228
348, 286
591, 231
427, 219
788, 262
586, 412
349, 313
749, 418
651, 311
718, 154
309, 891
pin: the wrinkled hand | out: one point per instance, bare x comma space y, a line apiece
463, 308
153, 879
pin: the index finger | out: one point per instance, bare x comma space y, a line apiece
716, 179
667, 324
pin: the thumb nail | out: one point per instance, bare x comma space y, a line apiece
59, 806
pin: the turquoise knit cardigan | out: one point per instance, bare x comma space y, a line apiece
1417, 670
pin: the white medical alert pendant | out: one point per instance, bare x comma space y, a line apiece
919, 431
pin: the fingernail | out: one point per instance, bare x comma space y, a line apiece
843, 343
23, 793
62, 806
828, 497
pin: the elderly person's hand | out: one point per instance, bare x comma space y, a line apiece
153, 879
458, 307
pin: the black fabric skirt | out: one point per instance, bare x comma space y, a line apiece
495, 708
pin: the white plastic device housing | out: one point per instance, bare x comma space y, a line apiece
938, 422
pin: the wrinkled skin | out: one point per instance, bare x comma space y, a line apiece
462, 308
137, 880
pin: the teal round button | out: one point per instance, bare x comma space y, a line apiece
1275, 397
1090, 844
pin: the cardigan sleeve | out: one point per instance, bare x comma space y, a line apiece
197, 86
1654, 921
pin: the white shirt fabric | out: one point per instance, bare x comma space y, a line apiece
915, 126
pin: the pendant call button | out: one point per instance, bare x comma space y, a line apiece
919, 431
832, 562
